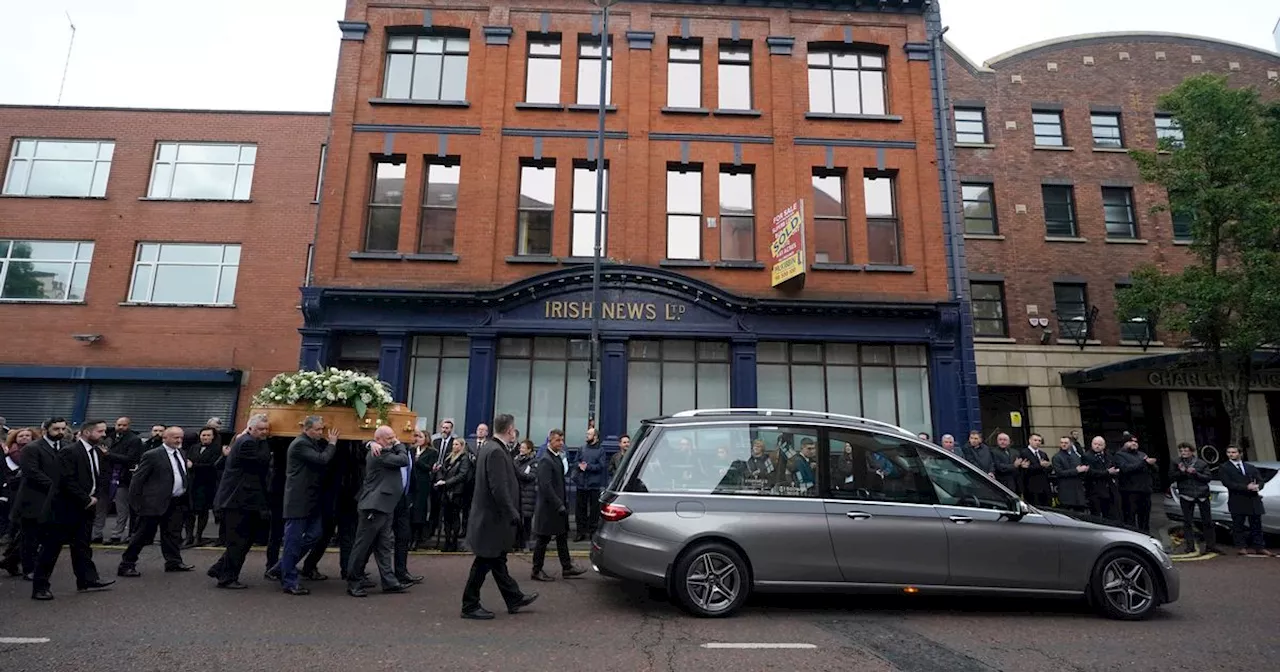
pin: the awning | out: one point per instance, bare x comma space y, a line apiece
1100, 373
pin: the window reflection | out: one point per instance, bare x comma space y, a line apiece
42, 270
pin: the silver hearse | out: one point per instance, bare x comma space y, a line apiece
713, 504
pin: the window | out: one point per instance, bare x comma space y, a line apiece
846, 82
979, 209
426, 67
382, 231
59, 168
438, 373
186, 274
1117, 205
877, 468
589, 58
1048, 129
1183, 221
684, 212
734, 76
1106, 130
1168, 132
536, 210
542, 76
665, 377
955, 484
882, 382
44, 270
971, 126
1071, 306
830, 219
543, 383
737, 216
882, 219
324, 153
732, 459
584, 212
1135, 329
684, 74
987, 299
358, 352
189, 171
439, 209
1059, 211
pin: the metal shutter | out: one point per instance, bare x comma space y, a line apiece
146, 404
28, 403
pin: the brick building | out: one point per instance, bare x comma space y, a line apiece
150, 259
1057, 216
457, 220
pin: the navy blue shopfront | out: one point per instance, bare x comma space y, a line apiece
668, 342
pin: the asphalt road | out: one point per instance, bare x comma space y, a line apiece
1226, 620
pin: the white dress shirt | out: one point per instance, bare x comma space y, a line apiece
93, 466
179, 489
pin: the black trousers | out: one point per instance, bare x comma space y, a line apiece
1037, 498
75, 534
562, 550
524, 534
454, 509
242, 528
587, 511
21, 552
1136, 507
1206, 523
481, 568
275, 534
1104, 507
170, 527
402, 529
1247, 538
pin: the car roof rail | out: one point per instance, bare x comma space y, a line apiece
793, 412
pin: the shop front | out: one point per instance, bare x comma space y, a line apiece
668, 343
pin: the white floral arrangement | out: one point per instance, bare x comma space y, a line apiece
331, 387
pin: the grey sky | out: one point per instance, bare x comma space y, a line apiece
236, 54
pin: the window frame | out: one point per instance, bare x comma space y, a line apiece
1070, 204
543, 39
684, 44
371, 205
843, 219
878, 219
1129, 206
830, 51
734, 171
915, 467
981, 121
1181, 224
589, 167
522, 247
1105, 141
167, 193
449, 38
75, 262
155, 265
1127, 326
97, 163
439, 354
686, 169
1059, 122
662, 359
523, 423
991, 205
725, 59
585, 42
1170, 131
324, 155
999, 302
426, 207
1068, 319
751, 430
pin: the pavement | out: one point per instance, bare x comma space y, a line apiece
1224, 621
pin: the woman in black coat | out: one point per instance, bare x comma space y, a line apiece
423, 455
454, 476
527, 474
204, 483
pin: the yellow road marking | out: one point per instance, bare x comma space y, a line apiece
1209, 556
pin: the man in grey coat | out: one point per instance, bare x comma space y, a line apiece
495, 517
382, 490
307, 458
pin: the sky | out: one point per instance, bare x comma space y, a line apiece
281, 54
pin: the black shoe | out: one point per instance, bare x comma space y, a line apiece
45, 596
12, 570
232, 585
541, 576
212, 572
28, 577
1212, 549
94, 585
398, 588
580, 537
367, 583
128, 572
314, 575
569, 572
297, 591
524, 602
115, 541
190, 543
1188, 550
179, 568
272, 574
356, 591
478, 614
96, 540
411, 579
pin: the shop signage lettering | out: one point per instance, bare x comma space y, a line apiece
618, 311
1194, 379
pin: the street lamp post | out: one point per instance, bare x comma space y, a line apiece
606, 58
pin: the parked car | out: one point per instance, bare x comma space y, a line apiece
713, 505
1218, 499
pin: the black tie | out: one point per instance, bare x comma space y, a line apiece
178, 461
93, 464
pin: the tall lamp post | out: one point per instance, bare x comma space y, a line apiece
606, 60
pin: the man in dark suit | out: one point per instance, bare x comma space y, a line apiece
495, 517
1135, 485
74, 504
158, 493
382, 491
442, 441
1034, 463
123, 455
1004, 463
1244, 483
33, 503
550, 515
242, 499
306, 460
1070, 470
1100, 480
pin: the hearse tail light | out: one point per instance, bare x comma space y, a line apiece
614, 512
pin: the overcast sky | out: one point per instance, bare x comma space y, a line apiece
280, 54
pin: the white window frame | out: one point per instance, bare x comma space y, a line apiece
6, 262
588, 86
586, 211
96, 188
154, 265
164, 192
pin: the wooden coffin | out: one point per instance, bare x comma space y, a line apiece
287, 420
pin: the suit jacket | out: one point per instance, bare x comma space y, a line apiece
152, 485
981, 457
203, 475
549, 512
1135, 473
245, 476
383, 482
1242, 501
73, 498
41, 474
495, 508
125, 452
596, 477
1070, 481
1035, 478
306, 462
1002, 467
1098, 483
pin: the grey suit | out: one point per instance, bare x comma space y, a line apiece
382, 490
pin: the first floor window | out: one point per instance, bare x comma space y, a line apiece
1047, 129
41, 167
1059, 210
1183, 221
1168, 132
536, 209
733, 82
1135, 329
971, 126
185, 274
382, 231
684, 74
979, 209
987, 299
543, 382
830, 219
737, 216
684, 212
1071, 304
882, 219
846, 82
542, 76
589, 59
665, 377
203, 171
584, 211
440, 208
438, 373
1106, 130
44, 270
426, 67
1117, 205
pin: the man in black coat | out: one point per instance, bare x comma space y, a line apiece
1034, 464
1244, 483
74, 504
33, 502
242, 499
306, 460
1004, 463
495, 515
124, 453
158, 493
1100, 481
1069, 468
1135, 485
1190, 476
550, 516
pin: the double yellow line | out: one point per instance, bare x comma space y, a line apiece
1191, 557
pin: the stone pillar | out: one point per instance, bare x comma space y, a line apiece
1177, 421
1264, 446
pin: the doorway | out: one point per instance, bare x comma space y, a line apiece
1110, 414
1001, 406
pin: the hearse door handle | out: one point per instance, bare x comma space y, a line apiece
961, 520
858, 515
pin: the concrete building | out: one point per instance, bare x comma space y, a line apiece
1057, 216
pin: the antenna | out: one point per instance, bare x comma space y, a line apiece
67, 65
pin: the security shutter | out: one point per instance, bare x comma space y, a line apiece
28, 403
146, 404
